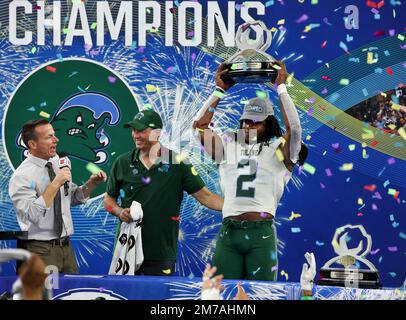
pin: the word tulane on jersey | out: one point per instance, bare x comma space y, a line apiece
184, 19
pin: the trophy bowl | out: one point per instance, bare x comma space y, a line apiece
252, 71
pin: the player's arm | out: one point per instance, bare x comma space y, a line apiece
208, 138
209, 199
293, 135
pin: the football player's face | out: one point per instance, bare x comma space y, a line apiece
254, 130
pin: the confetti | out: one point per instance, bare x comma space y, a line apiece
344, 82
368, 135
351, 147
295, 230
370, 188
402, 133
393, 249
303, 18
254, 272
175, 218
167, 271
51, 69
319, 244
283, 273
389, 71
309, 168
44, 114
151, 88
194, 172
146, 180
111, 79
373, 4
122, 193
328, 172
346, 167
92, 168
294, 215
279, 155
402, 235
391, 191
371, 59
391, 161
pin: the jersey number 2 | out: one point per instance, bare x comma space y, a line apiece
250, 192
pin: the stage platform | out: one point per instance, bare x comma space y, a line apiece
88, 287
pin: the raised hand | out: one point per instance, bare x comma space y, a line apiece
282, 72
222, 79
308, 272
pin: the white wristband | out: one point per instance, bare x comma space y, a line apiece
281, 89
211, 294
307, 286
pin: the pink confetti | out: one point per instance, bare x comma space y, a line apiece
391, 160
374, 252
146, 180
378, 195
326, 78
324, 44
310, 112
303, 18
324, 91
322, 186
374, 207
111, 79
328, 172
393, 249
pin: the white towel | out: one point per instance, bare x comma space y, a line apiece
128, 255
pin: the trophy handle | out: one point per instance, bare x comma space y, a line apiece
261, 46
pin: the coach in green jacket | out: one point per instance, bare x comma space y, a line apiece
155, 177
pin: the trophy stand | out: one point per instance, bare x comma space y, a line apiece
242, 66
350, 276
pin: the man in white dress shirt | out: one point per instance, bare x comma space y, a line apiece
36, 189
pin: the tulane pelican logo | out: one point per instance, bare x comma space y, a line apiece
87, 105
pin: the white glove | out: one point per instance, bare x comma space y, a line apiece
308, 272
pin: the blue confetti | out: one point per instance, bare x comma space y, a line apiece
246, 237
254, 272
319, 244
380, 173
295, 230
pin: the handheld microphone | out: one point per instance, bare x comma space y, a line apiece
64, 162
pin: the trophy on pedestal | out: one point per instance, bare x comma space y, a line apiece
252, 64
350, 275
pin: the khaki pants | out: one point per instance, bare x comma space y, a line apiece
56, 255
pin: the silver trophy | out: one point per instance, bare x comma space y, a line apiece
252, 64
350, 276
